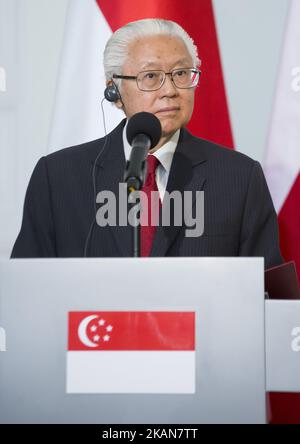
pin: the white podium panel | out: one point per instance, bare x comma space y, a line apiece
283, 346
226, 294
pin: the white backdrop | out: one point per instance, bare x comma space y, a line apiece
31, 34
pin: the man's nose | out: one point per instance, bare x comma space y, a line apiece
168, 88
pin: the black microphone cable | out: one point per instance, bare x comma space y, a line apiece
101, 152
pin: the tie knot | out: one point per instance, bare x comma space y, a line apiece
152, 164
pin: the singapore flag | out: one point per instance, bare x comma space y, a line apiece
131, 352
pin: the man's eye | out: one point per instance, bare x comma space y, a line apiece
181, 73
150, 75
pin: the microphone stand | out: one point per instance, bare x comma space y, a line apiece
136, 208
134, 177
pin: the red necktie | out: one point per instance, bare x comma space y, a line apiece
148, 230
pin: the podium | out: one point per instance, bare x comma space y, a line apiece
226, 296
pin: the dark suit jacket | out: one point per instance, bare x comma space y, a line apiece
59, 206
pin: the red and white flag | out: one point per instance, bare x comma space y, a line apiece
131, 352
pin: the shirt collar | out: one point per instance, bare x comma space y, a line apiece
164, 154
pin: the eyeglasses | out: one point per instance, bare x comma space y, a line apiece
152, 80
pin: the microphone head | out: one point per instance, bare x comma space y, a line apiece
144, 123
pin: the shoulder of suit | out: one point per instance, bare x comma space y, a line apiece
216, 152
87, 150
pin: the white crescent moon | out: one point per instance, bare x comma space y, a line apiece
82, 331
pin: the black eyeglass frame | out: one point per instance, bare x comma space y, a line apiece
195, 70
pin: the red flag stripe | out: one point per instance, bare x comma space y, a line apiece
289, 225
211, 117
131, 331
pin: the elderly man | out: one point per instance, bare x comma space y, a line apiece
151, 65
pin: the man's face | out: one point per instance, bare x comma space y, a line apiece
172, 106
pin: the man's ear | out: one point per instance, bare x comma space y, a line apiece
119, 104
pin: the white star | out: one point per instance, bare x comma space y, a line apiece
109, 328
94, 328
106, 338
101, 322
96, 338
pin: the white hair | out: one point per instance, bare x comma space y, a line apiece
116, 49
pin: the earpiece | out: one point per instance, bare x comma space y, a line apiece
111, 93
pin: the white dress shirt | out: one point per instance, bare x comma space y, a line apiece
165, 156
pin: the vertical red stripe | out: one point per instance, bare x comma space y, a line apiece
289, 225
211, 118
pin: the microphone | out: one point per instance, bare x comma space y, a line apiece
143, 133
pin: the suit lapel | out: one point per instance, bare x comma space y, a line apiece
185, 175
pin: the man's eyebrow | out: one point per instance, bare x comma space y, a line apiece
150, 65
155, 65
